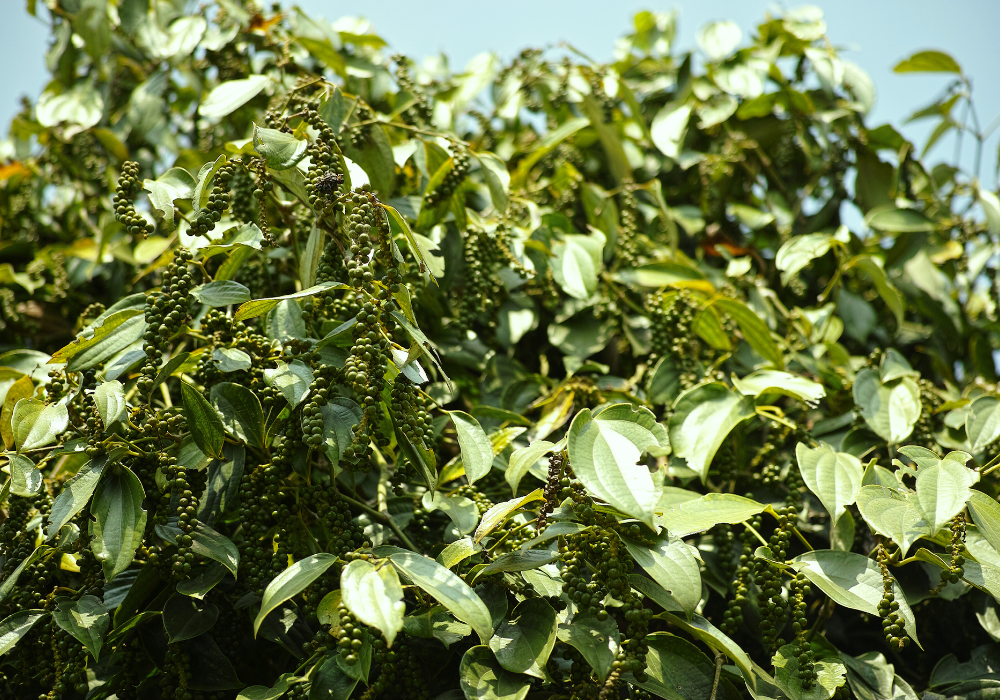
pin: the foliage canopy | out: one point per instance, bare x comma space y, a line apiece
330, 375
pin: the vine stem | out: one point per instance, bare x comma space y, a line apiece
750, 527
718, 673
382, 519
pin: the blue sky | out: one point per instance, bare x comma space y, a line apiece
873, 33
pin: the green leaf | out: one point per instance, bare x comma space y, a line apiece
498, 514
497, 179
437, 623
203, 421
292, 581
674, 565
330, 682
86, 619
852, 580
665, 382
576, 262
36, 424
928, 62
446, 588
221, 293
668, 128
458, 551
710, 635
483, 678
309, 260
830, 675
523, 642
943, 489
705, 512
477, 451
891, 411
702, 418
241, 412
16, 626
75, 494
768, 380
229, 96
374, 596
184, 618
676, 669
545, 146
521, 460
206, 542
340, 416
597, 641
176, 183
110, 400
605, 447
292, 379
259, 307
891, 219
520, 561
120, 520
886, 290
754, 330
279, 150
103, 340
986, 514
891, 513
719, 39
462, 511
982, 424
834, 477
231, 359
797, 252
25, 477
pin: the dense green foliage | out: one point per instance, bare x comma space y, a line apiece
326, 374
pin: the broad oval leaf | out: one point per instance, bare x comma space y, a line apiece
986, 514
852, 580
943, 489
523, 459
676, 668
784, 383
834, 477
576, 262
241, 412
221, 293
483, 678
674, 565
705, 512
597, 641
523, 642
982, 424
14, 627
86, 619
605, 447
702, 418
891, 513
183, 618
292, 379
891, 411
448, 589
119, 522
75, 494
110, 400
279, 150
374, 596
36, 424
25, 477
203, 421
292, 581
229, 96
477, 451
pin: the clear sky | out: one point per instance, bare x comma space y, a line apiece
875, 34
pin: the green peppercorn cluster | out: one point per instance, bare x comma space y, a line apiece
798, 589
324, 179
625, 249
733, 616
893, 623
452, 179
166, 313
956, 547
671, 316
218, 202
129, 185
420, 112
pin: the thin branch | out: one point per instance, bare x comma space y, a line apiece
719, 658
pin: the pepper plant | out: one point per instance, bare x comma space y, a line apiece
331, 374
